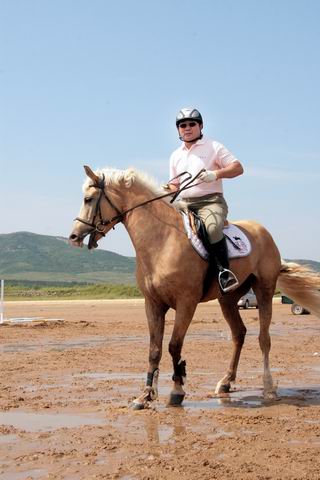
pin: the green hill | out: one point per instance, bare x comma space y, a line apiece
33, 257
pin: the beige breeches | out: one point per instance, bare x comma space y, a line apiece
213, 211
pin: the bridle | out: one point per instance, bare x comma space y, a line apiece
96, 226
100, 225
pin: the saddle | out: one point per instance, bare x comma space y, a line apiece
237, 242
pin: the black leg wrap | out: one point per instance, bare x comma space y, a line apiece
150, 376
179, 372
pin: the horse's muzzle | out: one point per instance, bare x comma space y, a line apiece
75, 240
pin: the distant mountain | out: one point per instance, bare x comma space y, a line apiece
29, 256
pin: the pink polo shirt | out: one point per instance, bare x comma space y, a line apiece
205, 153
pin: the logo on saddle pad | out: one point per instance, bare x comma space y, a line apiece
238, 243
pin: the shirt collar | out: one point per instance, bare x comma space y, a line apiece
201, 141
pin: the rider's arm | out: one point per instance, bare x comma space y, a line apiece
232, 170
229, 165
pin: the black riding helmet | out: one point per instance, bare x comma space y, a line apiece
188, 114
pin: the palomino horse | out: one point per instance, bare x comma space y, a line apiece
171, 274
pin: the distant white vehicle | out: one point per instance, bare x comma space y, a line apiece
296, 309
248, 300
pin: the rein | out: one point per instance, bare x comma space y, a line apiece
188, 184
101, 224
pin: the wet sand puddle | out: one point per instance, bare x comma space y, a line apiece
253, 398
37, 424
122, 387
84, 342
171, 433
145, 426
151, 428
28, 442
24, 475
97, 341
8, 438
136, 428
44, 422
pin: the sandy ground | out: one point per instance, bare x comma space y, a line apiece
66, 387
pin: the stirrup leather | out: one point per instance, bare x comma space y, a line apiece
234, 280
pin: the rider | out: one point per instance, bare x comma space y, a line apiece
206, 198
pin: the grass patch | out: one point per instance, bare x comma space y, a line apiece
35, 291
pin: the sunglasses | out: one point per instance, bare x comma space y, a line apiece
188, 124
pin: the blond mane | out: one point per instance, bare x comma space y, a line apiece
128, 177
114, 176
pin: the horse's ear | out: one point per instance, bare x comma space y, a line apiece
91, 174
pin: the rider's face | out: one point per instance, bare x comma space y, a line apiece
189, 130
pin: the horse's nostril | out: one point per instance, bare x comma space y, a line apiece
73, 236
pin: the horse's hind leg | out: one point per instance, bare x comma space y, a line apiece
230, 312
264, 294
156, 316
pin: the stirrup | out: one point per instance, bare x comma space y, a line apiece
234, 281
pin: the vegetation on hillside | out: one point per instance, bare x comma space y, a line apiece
47, 291
25, 251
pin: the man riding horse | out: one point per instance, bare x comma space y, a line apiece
206, 197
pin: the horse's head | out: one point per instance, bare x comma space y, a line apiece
98, 214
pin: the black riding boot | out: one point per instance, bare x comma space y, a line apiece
219, 253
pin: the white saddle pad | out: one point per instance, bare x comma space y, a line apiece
238, 243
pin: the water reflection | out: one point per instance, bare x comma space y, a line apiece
163, 433
309, 395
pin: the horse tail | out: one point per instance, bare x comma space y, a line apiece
301, 284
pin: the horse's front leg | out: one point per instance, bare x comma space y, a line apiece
156, 316
184, 315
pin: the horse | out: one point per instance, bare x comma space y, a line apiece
171, 274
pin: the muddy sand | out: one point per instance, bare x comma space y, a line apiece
66, 387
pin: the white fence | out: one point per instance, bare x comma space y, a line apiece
1, 301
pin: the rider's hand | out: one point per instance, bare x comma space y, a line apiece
169, 187
208, 176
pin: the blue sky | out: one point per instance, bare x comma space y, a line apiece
99, 83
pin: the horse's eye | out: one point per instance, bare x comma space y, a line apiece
88, 200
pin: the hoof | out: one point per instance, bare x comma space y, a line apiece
138, 406
222, 389
175, 399
270, 395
